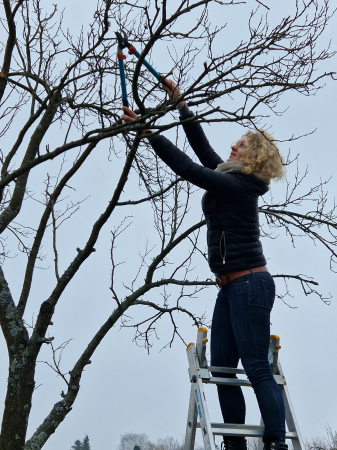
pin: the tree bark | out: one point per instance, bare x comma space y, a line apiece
21, 371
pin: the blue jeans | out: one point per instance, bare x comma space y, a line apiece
241, 330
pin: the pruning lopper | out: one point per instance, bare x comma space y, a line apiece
124, 43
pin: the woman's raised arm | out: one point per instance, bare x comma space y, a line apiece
194, 132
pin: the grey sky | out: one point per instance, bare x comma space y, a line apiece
127, 390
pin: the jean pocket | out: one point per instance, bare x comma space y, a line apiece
264, 295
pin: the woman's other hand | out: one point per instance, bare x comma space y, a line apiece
130, 116
173, 91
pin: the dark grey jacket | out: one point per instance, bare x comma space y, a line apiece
230, 203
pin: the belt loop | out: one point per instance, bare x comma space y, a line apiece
250, 270
218, 282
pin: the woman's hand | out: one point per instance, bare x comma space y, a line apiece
130, 117
173, 91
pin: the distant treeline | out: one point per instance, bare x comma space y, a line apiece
133, 441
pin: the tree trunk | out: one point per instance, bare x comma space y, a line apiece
20, 384
18, 401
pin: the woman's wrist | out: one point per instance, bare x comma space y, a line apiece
184, 111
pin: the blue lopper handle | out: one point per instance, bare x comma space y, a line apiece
150, 68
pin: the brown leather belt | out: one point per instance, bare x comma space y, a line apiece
231, 276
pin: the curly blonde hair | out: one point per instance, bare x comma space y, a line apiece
262, 156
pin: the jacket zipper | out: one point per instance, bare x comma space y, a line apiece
223, 239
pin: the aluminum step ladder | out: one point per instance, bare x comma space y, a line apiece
200, 373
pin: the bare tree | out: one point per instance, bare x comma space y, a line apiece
60, 105
252, 443
328, 442
129, 441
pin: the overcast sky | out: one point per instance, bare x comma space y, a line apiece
127, 390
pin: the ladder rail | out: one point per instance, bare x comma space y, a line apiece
290, 413
200, 402
191, 426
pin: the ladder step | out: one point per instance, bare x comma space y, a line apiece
226, 370
233, 429
226, 381
237, 381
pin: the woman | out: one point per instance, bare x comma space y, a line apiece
241, 319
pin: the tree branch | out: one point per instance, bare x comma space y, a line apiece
9, 45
